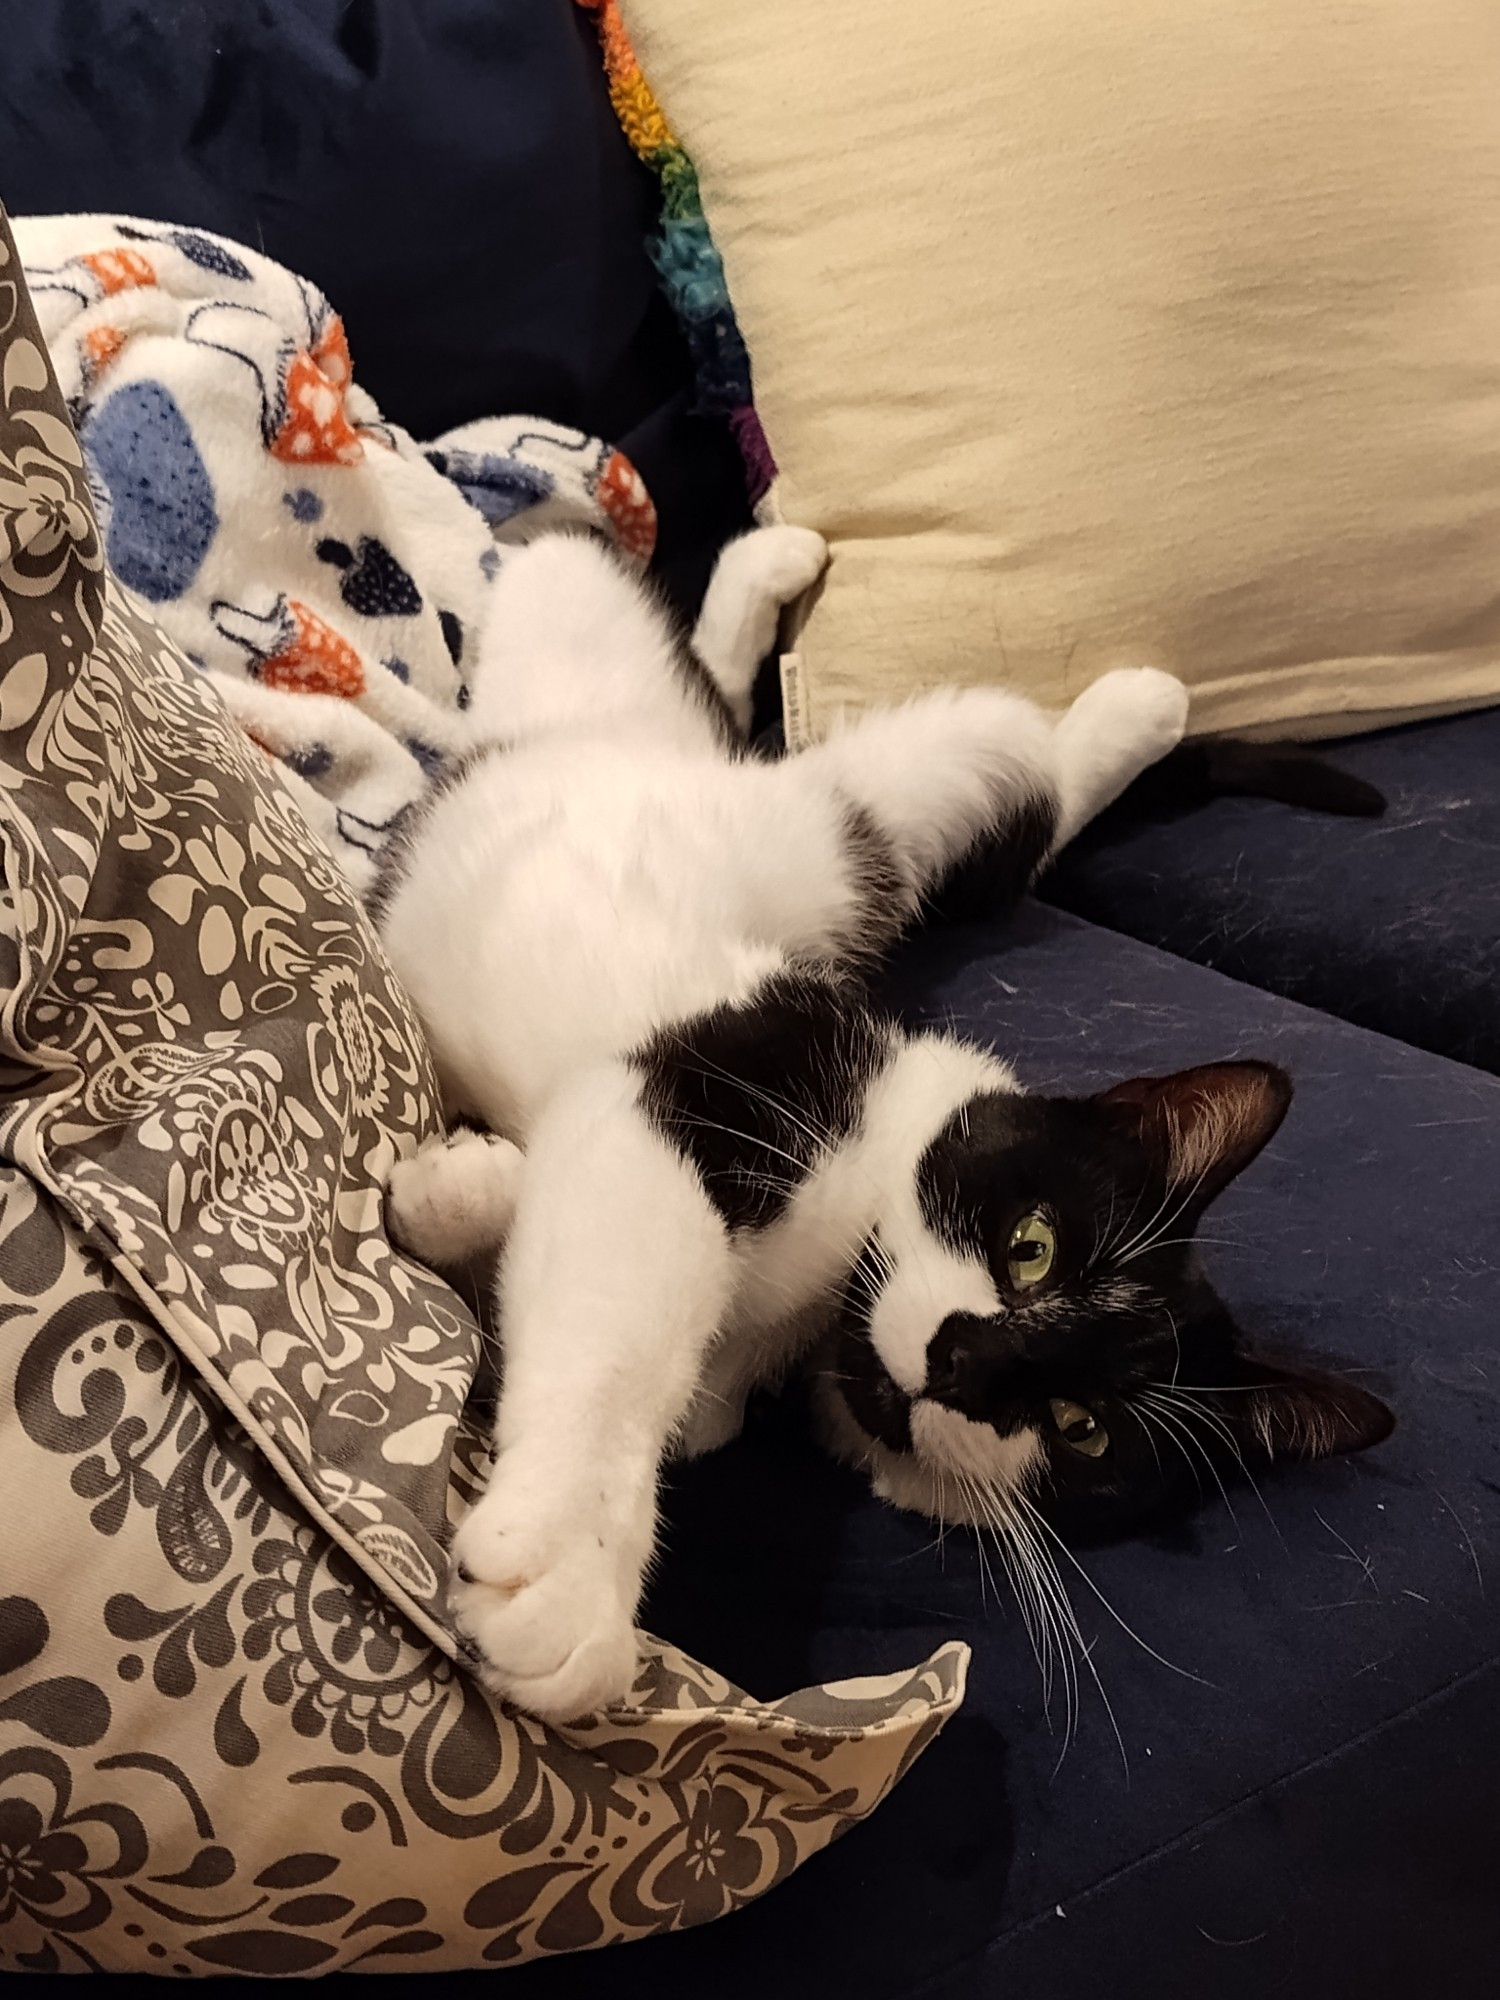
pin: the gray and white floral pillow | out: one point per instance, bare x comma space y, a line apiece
233, 1733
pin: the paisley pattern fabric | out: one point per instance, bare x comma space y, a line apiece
223, 1747
234, 1730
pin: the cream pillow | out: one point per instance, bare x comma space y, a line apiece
1160, 331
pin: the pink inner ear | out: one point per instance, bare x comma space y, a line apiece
1210, 1121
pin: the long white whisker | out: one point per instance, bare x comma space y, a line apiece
1175, 1422
1029, 1601
1151, 1420
750, 1138
1182, 1400
1054, 1640
1067, 1618
980, 1498
1102, 1235
1146, 1240
822, 1142
1052, 1535
986, 1574
1037, 1592
1123, 1249
1130, 1214
702, 1064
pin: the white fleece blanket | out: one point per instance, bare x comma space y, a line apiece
331, 572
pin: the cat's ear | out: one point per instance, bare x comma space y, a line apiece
1290, 1410
1205, 1124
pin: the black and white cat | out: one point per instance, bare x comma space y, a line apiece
638, 955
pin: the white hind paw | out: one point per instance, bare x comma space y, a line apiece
1116, 729
454, 1200
1140, 711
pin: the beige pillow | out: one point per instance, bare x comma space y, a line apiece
1159, 331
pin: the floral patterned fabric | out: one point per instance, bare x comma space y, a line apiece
234, 1731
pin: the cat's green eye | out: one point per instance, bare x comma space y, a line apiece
1079, 1428
1032, 1250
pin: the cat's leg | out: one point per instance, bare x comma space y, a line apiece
1118, 727
923, 785
754, 579
616, 1275
985, 775
572, 640
454, 1200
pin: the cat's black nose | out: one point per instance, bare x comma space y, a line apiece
964, 1358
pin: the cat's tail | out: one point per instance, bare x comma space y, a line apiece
1216, 767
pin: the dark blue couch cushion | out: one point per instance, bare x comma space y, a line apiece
450, 173
1393, 923
1312, 1814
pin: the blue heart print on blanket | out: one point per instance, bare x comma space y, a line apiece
328, 570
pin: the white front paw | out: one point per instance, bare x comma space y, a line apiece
550, 1609
454, 1200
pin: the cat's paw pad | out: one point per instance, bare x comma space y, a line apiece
551, 1615
454, 1200
1141, 707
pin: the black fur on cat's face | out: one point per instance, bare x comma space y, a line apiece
1035, 1323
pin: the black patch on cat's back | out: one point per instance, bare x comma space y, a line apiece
753, 1093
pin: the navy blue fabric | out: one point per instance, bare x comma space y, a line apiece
1315, 1813
1393, 923
449, 172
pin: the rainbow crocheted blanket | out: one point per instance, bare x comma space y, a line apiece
328, 570
686, 257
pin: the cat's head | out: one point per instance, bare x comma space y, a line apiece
1028, 1318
